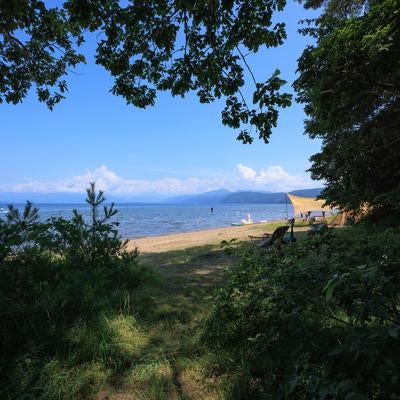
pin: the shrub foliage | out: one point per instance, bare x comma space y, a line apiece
56, 277
318, 319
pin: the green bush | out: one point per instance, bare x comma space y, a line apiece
317, 319
55, 276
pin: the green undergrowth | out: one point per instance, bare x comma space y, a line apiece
68, 324
126, 342
317, 319
83, 319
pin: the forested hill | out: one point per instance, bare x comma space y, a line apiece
269, 198
254, 197
243, 197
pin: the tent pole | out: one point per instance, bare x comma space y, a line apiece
287, 215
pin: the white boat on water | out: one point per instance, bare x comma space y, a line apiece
247, 221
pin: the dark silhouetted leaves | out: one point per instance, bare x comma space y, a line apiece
147, 46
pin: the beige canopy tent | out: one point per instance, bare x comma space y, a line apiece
302, 205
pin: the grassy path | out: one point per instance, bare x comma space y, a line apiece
168, 360
172, 364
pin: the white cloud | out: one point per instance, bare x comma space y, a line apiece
246, 172
104, 178
273, 178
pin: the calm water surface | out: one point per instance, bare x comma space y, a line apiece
152, 220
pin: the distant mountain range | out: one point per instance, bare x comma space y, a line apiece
213, 197
220, 196
223, 196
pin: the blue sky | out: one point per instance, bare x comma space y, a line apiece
178, 146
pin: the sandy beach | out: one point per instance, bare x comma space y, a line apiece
179, 241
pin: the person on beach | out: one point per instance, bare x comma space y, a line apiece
291, 223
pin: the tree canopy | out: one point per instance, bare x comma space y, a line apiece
350, 85
349, 79
147, 46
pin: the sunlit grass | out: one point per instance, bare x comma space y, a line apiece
147, 348
161, 335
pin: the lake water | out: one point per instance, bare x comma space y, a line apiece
152, 220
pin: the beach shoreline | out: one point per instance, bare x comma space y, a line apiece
184, 240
